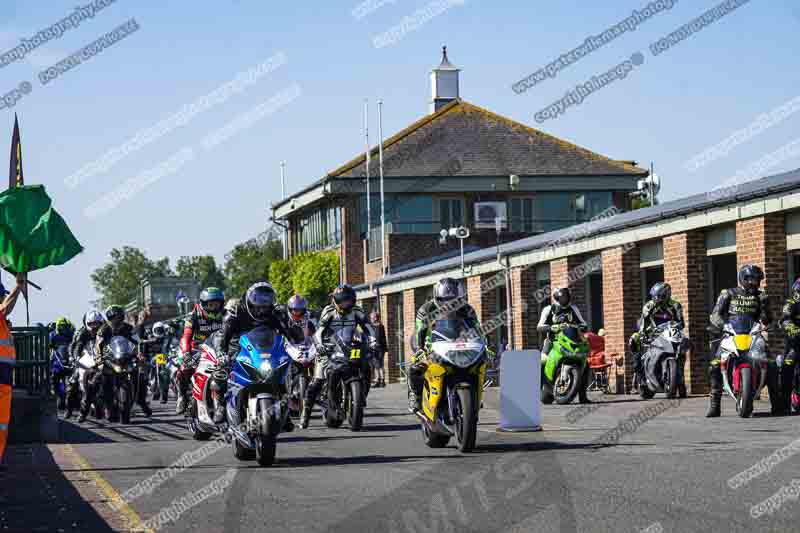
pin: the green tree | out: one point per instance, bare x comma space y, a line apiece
280, 276
249, 261
315, 275
202, 268
118, 281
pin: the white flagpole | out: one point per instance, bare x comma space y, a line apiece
366, 170
385, 268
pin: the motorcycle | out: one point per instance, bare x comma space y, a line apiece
201, 403
300, 376
343, 393
566, 368
662, 368
60, 369
120, 363
453, 385
743, 361
256, 398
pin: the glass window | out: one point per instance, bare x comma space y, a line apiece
451, 213
555, 210
319, 230
521, 216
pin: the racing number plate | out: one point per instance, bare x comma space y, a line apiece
161, 359
355, 353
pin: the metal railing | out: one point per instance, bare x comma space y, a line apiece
32, 369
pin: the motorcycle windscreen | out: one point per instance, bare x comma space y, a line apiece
449, 329
258, 343
344, 338
121, 348
742, 324
572, 334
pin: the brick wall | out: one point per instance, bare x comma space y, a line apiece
560, 272
685, 269
523, 288
622, 305
762, 241
390, 318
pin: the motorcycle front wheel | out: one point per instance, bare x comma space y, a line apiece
355, 406
466, 419
744, 397
266, 440
194, 425
334, 401
671, 378
124, 404
566, 390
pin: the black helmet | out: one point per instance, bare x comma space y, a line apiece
661, 293
297, 306
344, 297
562, 296
115, 311
260, 300
445, 290
750, 278
212, 300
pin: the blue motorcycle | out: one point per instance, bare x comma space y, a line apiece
257, 399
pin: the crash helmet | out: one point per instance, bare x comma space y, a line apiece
159, 330
115, 313
344, 298
64, 326
259, 300
660, 293
750, 278
212, 301
796, 289
93, 320
446, 290
297, 306
562, 296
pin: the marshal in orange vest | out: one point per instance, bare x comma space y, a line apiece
8, 357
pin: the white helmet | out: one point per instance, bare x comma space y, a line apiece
159, 329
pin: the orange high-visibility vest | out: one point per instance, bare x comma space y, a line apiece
8, 357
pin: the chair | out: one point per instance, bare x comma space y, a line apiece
599, 369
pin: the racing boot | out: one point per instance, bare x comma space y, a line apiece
180, 406
582, 388
288, 427
82, 417
776, 400
715, 397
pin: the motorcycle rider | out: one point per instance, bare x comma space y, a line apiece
659, 309
255, 308
745, 300
790, 323
60, 335
342, 312
84, 336
202, 322
150, 346
297, 319
554, 318
447, 300
116, 326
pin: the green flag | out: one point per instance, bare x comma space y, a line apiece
32, 234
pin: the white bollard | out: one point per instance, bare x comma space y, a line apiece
520, 391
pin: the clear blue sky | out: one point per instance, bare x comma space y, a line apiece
667, 110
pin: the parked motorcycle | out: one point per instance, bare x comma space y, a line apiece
663, 371
453, 385
256, 400
743, 361
300, 376
566, 368
120, 363
343, 392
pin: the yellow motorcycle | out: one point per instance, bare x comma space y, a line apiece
453, 385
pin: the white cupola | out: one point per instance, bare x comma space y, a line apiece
444, 83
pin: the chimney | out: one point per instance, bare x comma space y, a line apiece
444, 83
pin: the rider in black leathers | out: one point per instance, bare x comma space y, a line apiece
256, 308
342, 312
790, 323
116, 326
748, 300
85, 336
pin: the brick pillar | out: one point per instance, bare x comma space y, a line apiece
685, 270
622, 305
523, 289
762, 241
352, 248
568, 272
410, 305
390, 319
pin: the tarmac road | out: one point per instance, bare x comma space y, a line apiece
666, 473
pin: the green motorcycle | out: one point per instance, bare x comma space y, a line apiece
566, 368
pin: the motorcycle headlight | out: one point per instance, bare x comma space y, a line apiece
265, 369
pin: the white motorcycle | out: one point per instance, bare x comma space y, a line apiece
303, 357
663, 371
